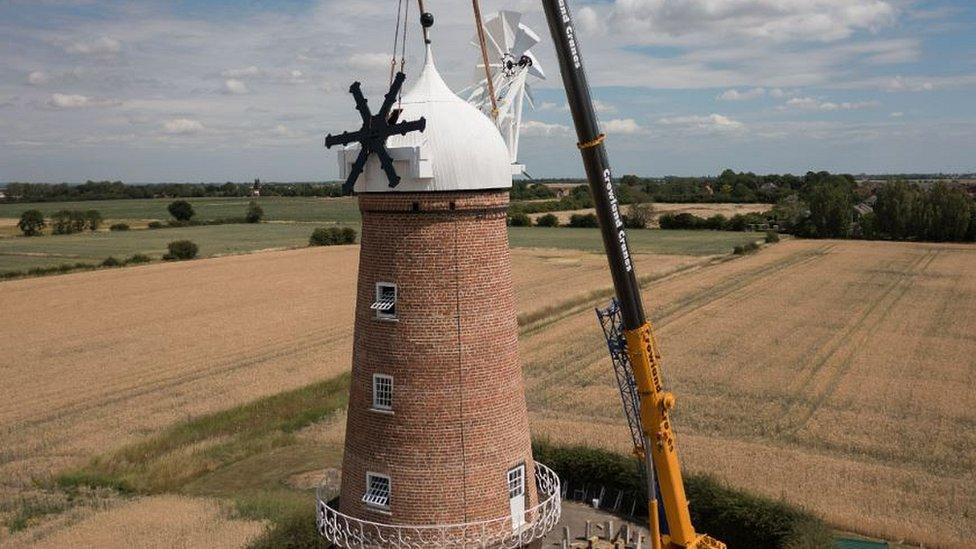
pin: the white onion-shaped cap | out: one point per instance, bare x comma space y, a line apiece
464, 149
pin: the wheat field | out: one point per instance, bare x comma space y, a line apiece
836, 375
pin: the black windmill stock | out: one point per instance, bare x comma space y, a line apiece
374, 133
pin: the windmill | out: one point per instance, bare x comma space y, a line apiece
505, 43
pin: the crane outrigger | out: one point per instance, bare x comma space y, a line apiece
630, 335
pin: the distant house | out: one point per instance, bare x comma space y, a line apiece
3, 195
562, 189
256, 188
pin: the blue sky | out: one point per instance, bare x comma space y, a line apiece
229, 90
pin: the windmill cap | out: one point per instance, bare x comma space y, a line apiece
460, 150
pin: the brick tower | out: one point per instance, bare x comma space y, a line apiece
438, 451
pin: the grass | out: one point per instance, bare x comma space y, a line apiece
28, 511
245, 454
21, 254
338, 210
699, 243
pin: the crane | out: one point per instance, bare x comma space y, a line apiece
633, 348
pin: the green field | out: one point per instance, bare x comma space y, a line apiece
24, 253
19, 253
339, 210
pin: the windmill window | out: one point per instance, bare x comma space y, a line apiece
382, 392
377, 491
386, 301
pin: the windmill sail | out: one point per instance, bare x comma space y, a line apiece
511, 64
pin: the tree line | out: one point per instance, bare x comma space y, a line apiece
117, 190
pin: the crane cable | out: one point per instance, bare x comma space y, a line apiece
484, 58
396, 39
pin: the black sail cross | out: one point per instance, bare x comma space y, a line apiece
374, 133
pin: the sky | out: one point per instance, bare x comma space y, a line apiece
220, 90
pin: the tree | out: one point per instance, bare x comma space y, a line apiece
831, 209
181, 210
93, 220
61, 222
78, 221
254, 213
548, 220
520, 219
895, 209
31, 222
584, 221
944, 215
790, 212
639, 215
181, 250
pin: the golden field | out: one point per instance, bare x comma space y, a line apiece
836, 375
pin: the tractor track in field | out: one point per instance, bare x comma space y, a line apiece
127, 389
842, 348
591, 359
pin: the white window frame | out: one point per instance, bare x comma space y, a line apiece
385, 314
378, 404
375, 498
516, 481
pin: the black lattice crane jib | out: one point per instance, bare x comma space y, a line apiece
374, 133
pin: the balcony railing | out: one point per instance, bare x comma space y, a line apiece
349, 532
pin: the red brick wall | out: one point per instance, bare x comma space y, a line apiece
459, 421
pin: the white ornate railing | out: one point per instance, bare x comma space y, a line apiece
348, 532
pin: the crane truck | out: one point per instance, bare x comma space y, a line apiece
630, 336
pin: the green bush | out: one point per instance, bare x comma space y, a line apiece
11, 274
156, 225
111, 262
119, 227
772, 237
68, 222
717, 222
138, 259
520, 219
93, 220
181, 210
681, 221
255, 213
548, 220
332, 236
584, 221
739, 519
746, 249
31, 223
181, 250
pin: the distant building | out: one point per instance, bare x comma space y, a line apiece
562, 189
3, 195
256, 188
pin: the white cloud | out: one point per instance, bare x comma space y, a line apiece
367, 61
710, 123
183, 126
813, 104
103, 46
542, 129
898, 114
745, 95
777, 93
38, 78
775, 20
599, 106
622, 126
233, 86
70, 101
246, 72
